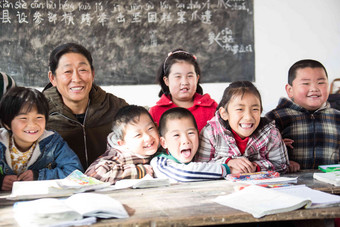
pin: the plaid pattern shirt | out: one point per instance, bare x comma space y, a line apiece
265, 146
116, 165
316, 134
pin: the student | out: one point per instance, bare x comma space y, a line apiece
79, 110
180, 139
133, 140
239, 137
310, 128
179, 77
28, 151
6, 83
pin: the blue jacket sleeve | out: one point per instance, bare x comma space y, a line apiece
61, 161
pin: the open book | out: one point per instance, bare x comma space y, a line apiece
329, 168
328, 177
74, 183
146, 182
260, 201
52, 211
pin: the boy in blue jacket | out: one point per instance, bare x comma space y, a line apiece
28, 151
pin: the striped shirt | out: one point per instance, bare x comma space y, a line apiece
166, 166
265, 146
316, 134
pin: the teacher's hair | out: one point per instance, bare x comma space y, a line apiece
59, 51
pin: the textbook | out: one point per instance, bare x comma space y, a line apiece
261, 201
74, 183
264, 177
328, 177
329, 168
69, 211
146, 182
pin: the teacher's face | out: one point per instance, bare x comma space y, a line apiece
73, 79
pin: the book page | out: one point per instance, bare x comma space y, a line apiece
96, 205
146, 182
318, 198
43, 212
329, 177
260, 201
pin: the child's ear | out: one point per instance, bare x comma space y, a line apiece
223, 113
166, 80
163, 142
289, 90
120, 142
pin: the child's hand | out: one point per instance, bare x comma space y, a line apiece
8, 181
242, 165
293, 166
149, 170
288, 142
26, 176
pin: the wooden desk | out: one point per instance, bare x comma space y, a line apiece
182, 205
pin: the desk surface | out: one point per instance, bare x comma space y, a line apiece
189, 204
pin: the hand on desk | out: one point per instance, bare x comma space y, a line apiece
149, 170
8, 181
293, 166
26, 176
241, 165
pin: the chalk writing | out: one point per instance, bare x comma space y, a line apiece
128, 38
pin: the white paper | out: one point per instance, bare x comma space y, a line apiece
260, 201
318, 198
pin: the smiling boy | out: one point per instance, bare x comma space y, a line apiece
131, 144
179, 137
310, 128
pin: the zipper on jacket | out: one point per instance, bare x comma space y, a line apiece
314, 155
83, 128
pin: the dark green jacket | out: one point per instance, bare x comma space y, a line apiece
87, 140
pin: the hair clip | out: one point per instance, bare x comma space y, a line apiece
175, 52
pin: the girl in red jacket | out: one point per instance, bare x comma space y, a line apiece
179, 77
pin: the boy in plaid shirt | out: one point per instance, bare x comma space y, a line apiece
132, 142
310, 128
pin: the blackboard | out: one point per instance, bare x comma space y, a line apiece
128, 39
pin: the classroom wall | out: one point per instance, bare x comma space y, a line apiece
285, 31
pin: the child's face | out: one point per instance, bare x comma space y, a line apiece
27, 128
181, 139
310, 88
182, 82
243, 114
141, 138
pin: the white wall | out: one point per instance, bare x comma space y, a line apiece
285, 31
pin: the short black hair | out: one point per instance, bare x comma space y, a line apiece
174, 113
238, 88
303, 64
59, 51
126, 115
18, 97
